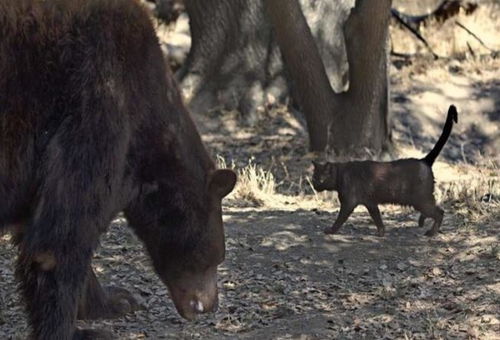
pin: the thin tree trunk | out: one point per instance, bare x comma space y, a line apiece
361, 118
305, 68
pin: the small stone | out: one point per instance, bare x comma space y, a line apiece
436, 271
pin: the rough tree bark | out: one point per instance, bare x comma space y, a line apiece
361, 119
168, 10
302, 59
232, 61
236, 61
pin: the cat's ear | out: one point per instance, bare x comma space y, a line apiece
318, 167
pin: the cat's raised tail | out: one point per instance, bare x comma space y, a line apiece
452, 117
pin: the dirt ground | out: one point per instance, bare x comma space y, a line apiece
284, 279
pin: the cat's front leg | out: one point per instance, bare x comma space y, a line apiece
345, 211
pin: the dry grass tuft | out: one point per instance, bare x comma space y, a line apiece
476, 198
255, 186
448, 39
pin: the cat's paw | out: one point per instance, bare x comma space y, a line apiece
431, 233
330, 231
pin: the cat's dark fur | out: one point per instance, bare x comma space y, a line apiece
408, 182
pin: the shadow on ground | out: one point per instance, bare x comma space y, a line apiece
420, 103
284, 279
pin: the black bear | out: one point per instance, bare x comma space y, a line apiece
91, 124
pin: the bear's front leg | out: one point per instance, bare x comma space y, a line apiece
97, 302
74, 205
51, 280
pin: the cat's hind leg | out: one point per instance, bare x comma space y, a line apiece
434, 212
421, 220
375, 214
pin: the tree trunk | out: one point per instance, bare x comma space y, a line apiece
309, 81
361, 119
235, 62
347, 124
169, 10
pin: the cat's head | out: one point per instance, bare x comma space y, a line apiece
324, 176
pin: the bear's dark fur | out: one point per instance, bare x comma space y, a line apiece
91, 124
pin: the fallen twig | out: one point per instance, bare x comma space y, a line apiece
403, 22
471, 50
474, 35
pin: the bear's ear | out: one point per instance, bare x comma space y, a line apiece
221, 182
